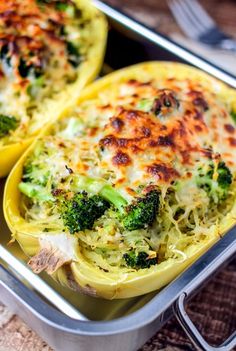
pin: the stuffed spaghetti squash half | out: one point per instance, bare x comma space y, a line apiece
131, 184
49, 49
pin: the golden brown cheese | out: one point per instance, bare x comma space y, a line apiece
181, 127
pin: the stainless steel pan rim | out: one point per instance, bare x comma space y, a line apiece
186, 283
166, 43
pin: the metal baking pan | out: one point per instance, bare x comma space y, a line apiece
69, 321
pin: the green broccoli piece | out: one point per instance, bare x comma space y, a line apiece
7, 123
44, 2
35, 178
26, 69
35, 191
139, 261
217, 189
80, 212
35, 175
145, 105
224, 176
34, 87
100, 187
61, 6
28, 171
74, 57
5, 54
139, 214
68, 8
142, 212
233, 115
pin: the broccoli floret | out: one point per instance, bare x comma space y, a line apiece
74, 57
139, 260
139, 214
35, 178
142, 212
28, 171
233, 115
68, 8
5, 55
35, 174
224, 176
81, 211
7, 123
34, 87
60, 5
216, 185
26, 69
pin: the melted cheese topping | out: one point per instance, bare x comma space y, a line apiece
42, 43
129, 146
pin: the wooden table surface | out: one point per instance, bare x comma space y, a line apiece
214, 309
156, 14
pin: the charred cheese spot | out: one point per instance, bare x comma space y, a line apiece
132, 115
137, 83
163, 172
107, 141
208, 152
138, 132
165, 103
153, 143
121, 159
145, 131
198, 100
232, 142
198, 128
165, 140
229, 128
133, 132
92, 131
117, 124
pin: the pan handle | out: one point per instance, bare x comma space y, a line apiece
193, 332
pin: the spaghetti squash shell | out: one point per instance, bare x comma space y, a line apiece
79, 274
87, 71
